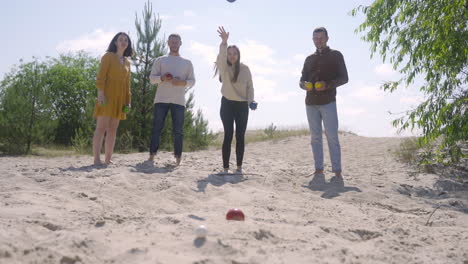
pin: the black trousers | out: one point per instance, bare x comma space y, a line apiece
234, 112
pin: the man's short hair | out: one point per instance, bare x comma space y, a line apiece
175, 36
321, 29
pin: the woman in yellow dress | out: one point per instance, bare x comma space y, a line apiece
114, 98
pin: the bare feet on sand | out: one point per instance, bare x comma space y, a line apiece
100, 163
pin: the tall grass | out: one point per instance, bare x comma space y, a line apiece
52, 151
411, 153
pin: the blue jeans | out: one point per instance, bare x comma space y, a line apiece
328, 114
159, 116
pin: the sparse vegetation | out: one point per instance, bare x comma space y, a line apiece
270, 130
258, 135
423, 157
408, 151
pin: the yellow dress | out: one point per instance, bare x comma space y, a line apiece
114, 78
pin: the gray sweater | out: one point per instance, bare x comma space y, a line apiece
179, 68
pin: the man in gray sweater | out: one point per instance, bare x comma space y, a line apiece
173, 74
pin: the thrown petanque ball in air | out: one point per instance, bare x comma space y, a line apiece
231, 1
201, 231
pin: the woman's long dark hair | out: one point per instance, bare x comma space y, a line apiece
236, 65
113, 48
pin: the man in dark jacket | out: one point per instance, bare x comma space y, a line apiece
322, 73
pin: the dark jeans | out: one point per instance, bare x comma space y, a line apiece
234, 112
159, 116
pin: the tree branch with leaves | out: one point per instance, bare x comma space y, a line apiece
427, 39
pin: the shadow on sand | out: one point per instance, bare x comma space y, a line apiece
144, 167
219, 179
445, 193
149, 167
87, 168
330, 189
199, 242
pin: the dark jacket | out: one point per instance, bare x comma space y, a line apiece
327, 66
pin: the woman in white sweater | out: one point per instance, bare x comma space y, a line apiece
237, 96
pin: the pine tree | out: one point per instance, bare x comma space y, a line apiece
147, 48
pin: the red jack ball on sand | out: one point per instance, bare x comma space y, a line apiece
235, 214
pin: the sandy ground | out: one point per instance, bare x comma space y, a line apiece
63, 210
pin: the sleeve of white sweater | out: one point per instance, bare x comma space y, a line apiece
191, 77
221, 60
250, 88
155, 75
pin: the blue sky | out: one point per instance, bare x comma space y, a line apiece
274, 39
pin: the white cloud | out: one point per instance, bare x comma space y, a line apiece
208, 52
351, 111
259, 69
295, 73
366, 93
299, 57
251, 51
95, 42
256, 56
165, 17
348, 107
262, 85
385, 70
411, 100
185, 28
265, 91
189, 13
